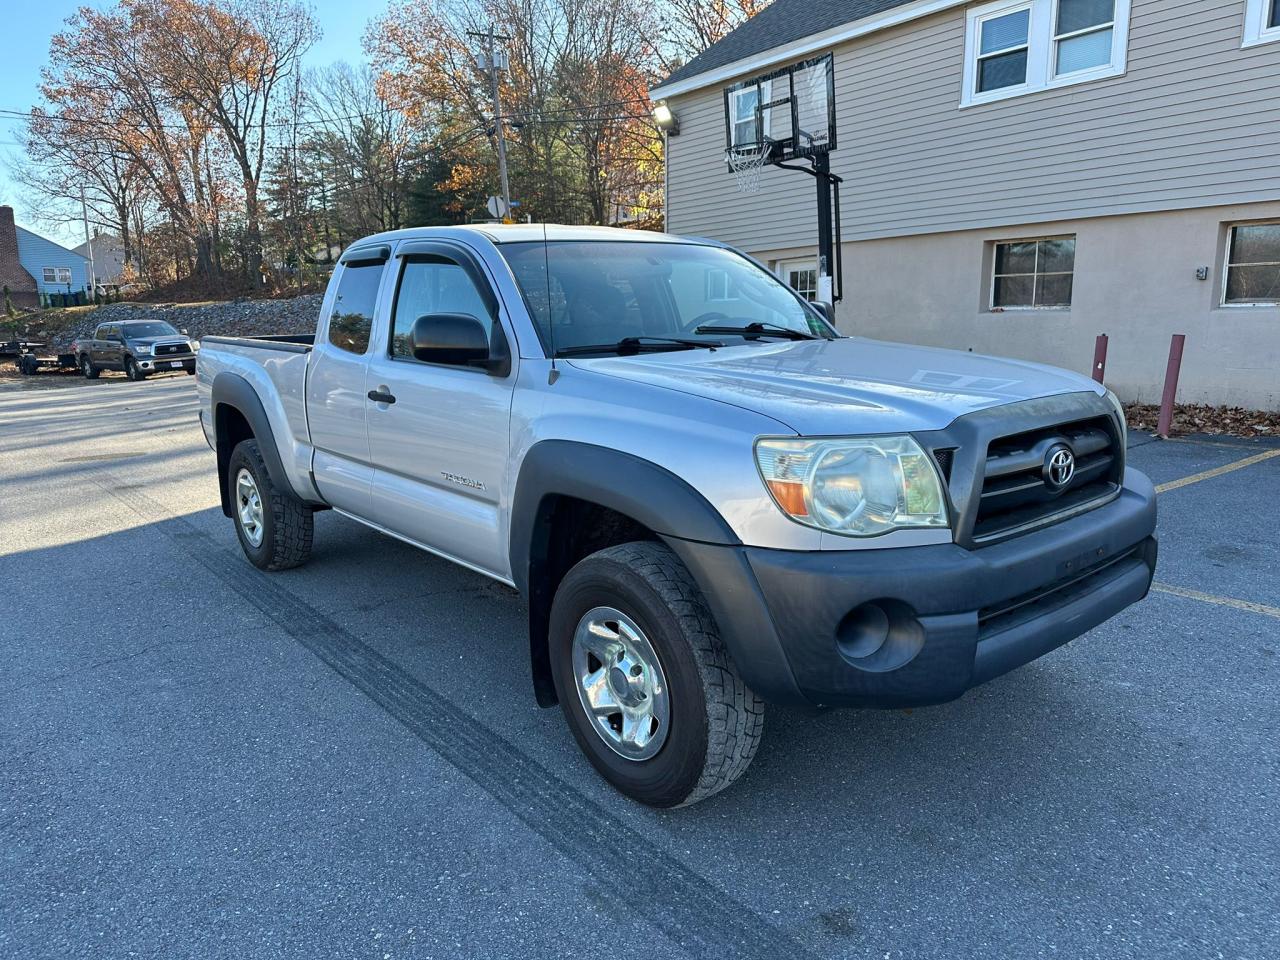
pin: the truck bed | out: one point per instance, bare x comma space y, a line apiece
290, 342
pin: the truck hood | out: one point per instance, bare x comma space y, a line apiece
849, 385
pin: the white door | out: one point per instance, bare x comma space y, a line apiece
441, 446
801, 276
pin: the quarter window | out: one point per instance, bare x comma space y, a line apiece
353, 306
1031, 274
1253, 264
432, 286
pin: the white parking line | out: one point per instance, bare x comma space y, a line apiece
1213, 598
1217, 471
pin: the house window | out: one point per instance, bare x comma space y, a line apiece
1033, 274
1253, 264
1261, 22
1022, 46
1002, 53
749, 124
56, 274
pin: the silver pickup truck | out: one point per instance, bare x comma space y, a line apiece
708, 497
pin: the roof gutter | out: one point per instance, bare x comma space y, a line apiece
801, 48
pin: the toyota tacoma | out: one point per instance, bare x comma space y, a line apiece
709, 498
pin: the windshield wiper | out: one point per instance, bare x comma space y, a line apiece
629, 346
760, 328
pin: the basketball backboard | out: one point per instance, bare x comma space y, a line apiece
786, 114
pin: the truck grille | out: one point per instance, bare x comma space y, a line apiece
1016, 493
170, 349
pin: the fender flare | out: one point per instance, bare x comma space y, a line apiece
234, 391
647, 493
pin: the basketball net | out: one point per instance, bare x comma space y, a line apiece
746, 166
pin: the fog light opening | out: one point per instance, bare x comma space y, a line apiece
880, 635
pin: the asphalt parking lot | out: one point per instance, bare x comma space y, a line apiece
200, 760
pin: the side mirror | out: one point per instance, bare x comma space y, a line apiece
185, 332
458, 339
827, 310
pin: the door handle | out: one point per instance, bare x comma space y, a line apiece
381, 396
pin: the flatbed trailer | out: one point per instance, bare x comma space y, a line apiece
31, 360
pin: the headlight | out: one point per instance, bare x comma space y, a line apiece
142, 348
856, 486
1119, 409
195, 345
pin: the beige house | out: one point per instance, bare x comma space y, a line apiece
1020, 176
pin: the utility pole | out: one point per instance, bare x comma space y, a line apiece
491, 64
88, 243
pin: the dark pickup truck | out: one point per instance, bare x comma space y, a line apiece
138, 347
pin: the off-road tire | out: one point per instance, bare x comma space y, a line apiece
88, 369
716, 721
133, 371
288, 523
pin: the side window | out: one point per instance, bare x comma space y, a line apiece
352, 317
431, 286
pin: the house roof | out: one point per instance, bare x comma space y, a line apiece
785, 24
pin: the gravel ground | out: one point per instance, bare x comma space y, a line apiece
201, 760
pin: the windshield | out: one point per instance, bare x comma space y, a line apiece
157, 329
589, 292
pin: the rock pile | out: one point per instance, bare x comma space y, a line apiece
234, 318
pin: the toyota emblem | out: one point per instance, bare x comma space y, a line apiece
1059, 468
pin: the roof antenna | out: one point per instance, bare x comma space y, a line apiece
554, 375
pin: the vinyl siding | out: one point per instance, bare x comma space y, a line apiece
35, 253
1194, 122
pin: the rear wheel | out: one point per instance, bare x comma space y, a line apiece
274, 527
88, 369
132, 370
645, 681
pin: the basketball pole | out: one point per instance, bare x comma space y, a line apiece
826, 258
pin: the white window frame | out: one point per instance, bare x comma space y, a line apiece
1256, 29
1032, 308
1226, 269
49, 274
766, 94
1041, 50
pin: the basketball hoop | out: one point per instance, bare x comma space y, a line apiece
746, 162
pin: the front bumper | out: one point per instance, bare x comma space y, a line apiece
919, 625
182, 361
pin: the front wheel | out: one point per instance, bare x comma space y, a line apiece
132, 370
274, 527
645, 681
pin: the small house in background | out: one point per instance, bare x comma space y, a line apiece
38, 271
108, 259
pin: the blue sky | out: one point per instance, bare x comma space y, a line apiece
29, 25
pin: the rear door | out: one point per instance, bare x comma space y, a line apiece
336, 396
441, 448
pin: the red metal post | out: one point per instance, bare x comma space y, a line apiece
1170, 385
1100, 357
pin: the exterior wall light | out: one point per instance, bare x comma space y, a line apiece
667, 121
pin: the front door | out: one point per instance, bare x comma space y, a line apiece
801, 276
336, 400
441, 448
